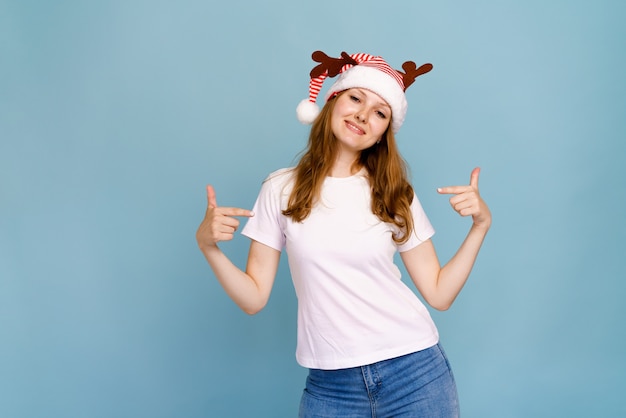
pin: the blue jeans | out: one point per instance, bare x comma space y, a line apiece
416, 385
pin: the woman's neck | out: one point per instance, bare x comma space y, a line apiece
344, 166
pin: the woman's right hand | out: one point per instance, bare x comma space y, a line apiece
249, 289
219, 223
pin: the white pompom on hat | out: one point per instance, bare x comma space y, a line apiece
362, 71
307, 111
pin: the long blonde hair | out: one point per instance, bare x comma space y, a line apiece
387, 171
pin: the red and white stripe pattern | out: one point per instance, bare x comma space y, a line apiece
315, 86
377, 62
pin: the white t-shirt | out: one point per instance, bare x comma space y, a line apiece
353, 307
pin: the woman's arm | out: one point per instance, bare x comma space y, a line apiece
441, 285
251, 289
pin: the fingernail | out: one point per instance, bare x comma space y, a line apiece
251, 213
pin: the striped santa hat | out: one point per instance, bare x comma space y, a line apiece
362, 71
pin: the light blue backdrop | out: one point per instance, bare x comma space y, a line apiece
115, 115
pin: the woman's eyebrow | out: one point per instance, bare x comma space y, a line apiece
380, 102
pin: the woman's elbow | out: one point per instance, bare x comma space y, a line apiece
441, 305
254, 309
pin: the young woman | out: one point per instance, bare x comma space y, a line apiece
371, 346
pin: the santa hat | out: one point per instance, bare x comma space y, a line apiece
362, 71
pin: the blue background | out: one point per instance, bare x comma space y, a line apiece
115, 115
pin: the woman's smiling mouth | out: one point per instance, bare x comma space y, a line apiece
354, 128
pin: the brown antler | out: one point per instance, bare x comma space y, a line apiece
332, 65
411, 72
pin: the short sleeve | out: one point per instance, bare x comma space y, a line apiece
423, 229
267, 224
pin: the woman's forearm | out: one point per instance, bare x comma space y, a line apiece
239, 286
455, 272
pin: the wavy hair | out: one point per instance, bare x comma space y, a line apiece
387, 171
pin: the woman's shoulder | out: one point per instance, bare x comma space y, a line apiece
281, 176
279, 182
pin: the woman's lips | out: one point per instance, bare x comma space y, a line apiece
354, 128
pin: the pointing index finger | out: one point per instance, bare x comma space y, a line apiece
452, 189
237, 212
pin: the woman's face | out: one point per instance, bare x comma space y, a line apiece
359, 119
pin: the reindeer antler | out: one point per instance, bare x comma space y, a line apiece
411, 72
332, 65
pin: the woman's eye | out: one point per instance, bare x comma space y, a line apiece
381, 115
354, 98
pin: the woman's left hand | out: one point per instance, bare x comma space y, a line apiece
467, 201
